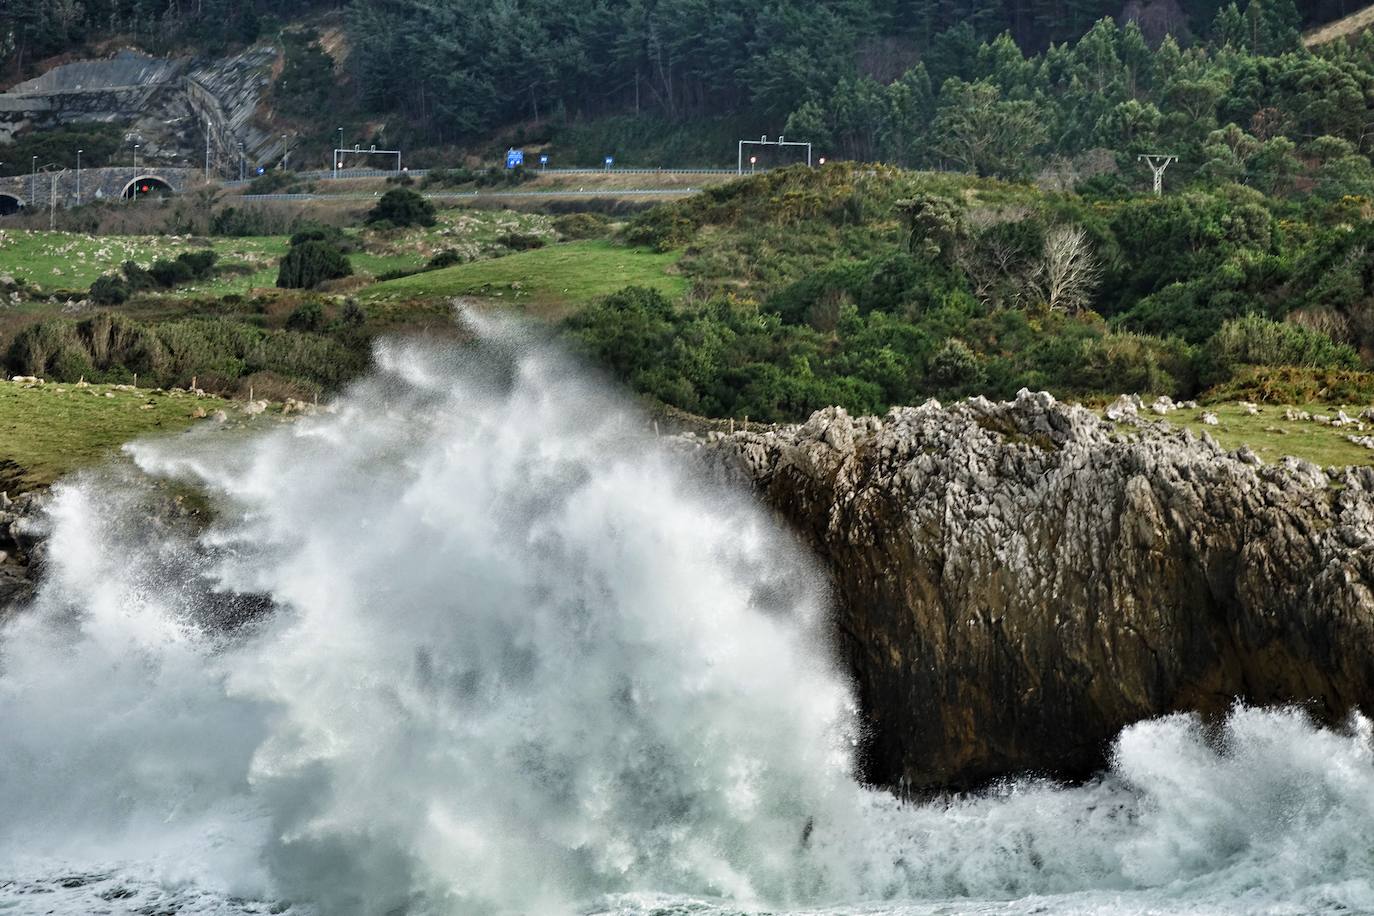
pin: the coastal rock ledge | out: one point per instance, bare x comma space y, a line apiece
1016, 582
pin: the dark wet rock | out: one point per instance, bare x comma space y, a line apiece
1018, 581
21, 537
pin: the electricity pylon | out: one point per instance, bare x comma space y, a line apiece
1158, 164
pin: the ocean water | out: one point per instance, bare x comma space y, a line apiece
474, 643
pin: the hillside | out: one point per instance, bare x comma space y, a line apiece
1342, 28
902, 82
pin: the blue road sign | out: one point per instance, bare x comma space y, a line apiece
610, 161
514, 157
543, 160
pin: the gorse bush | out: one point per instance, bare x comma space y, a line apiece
1256, 341
162, 274
318, 232
216, 351
446, 258
577, 226
402, 207
308, 316
311, 263
521, 241
955, 366
109, 290
731, 358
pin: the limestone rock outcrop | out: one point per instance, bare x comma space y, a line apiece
1018, 581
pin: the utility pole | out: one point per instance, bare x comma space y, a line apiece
207, 150
1158, 164
240, 160
133, 188
78, 176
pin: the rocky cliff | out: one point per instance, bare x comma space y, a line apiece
20, 549
1016, 582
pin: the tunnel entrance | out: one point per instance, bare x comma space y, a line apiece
147, 186
10, 205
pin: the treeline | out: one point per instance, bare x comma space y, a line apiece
31, 30
1252, 106
977, 84
857, 74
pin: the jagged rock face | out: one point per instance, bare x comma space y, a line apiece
1017, 582
168, 103
21, 535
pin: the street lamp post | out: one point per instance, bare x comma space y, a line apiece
78, 176
33, 179
335, 156
240, 160
133, 188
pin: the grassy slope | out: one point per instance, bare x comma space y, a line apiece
53, 429
548, 279
65, 260
1272, 437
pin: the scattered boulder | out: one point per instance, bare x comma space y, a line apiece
1124, 409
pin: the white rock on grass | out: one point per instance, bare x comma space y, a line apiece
1123, 409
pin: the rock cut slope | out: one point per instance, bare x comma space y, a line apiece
1018, 581
1341, 28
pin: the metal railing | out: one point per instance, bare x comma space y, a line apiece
346, 174
468, 195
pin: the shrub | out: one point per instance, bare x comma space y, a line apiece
240, 223
308, 316
521, 241
446, 258
1256, 341
106, 345
1293, 385
311, 263
164, 274
139, 279
318, 232
273, 182
110, 289
582, 226
352, 315
955, 366
168, 274
402, 207
662, 229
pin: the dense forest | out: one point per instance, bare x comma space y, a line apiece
857, 75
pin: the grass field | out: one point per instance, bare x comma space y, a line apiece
51, 430
1272, 437
70, 261
550, 279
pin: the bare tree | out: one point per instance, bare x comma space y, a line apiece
1069, 271
999, 270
